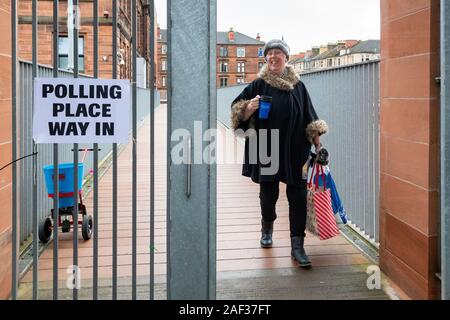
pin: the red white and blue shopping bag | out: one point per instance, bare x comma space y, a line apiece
320, 217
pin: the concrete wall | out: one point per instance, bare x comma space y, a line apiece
409, 195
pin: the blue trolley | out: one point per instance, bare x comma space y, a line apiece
65, 202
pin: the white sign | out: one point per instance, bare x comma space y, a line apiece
69, 110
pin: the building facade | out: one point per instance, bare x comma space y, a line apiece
85, 37
337, 54
161, 65
239, 59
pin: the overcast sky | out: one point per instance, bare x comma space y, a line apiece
302, 23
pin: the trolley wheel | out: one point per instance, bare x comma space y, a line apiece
86, 227
65, 225
45, 230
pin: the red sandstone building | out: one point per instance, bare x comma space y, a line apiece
239, 58
85, 40
161, 65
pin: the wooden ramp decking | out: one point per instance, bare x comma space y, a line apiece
244, 270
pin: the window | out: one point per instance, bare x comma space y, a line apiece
223, 82
241, 52
224, 67
260, 52
63, 53
164, 49
330, 62
223, 52
240, 80
260, 65
241, 67
339, 62
163, 65
163, 81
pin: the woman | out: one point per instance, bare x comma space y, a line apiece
293, 115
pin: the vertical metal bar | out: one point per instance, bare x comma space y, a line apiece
365, 142
358, 211
377, 152
34, 24
212, 168
371, 154
189, 167
14, 240
23, 94
168, 155
114, 191
191, 278
354, 151
152, 149
369, 160
28, 150
55, 159
75, 158
445, 149
134, 160
96, 186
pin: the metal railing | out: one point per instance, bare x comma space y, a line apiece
225, 97
45, 151
347, 98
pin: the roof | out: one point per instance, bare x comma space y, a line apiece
163, 35
368, 46
222, 38
328, 54
296, 60
239, 38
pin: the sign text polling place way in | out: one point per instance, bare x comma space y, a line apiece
68, 110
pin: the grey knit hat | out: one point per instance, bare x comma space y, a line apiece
277, 44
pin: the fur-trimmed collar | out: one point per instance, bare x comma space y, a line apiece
283, 82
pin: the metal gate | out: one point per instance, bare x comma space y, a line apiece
190, 212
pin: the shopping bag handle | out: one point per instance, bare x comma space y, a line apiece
312, 175
323, 177
316, 184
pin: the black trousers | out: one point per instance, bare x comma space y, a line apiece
268, 195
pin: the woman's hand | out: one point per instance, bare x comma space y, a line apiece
316, 141
252, 106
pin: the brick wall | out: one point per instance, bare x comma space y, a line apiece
410, 145
5, 149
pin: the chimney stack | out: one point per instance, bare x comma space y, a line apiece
258, 37
231, 35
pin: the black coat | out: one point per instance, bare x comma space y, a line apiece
291, 113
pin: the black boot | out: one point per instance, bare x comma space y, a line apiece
266, 234
298, 252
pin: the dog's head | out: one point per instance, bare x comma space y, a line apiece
322, 157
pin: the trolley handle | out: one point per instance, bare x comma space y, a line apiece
189, 168
85, 150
